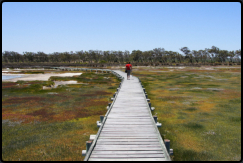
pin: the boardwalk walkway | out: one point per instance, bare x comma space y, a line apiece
129, 132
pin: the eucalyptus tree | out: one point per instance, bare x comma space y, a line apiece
196, 54
86, 57
113, 57
106, 56
203, 55
55, 57
238, 55
6, 56
91, 56
95, 56
214, 53
158, 53
146, 56
173, 56
223, 55
126, 56
140, 56
81, 55
179, 57
151, 56
18, 57
168, 57
75, 58
187, 53
65, 57
28, 56
41, 57
136, 55
231, 55
120, 56
100, 55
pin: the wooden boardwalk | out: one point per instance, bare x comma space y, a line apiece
129, 132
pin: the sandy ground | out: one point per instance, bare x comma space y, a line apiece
43, 77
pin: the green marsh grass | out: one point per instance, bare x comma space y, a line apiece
200, 110
53, 125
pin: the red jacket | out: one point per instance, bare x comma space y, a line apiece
128, 66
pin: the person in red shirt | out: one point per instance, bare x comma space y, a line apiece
129, 70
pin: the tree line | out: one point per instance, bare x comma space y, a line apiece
157, 55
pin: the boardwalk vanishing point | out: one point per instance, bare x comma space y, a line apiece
128, 131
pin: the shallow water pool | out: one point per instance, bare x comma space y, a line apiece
5, 77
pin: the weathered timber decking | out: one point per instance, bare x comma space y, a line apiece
129, 132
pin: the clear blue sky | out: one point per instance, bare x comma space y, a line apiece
59, 27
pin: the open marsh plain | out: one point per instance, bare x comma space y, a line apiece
53, 124
199, 108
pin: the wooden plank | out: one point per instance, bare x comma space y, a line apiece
128, 129
127, 143
132, 101
124, 130
108, 120
128, 146
128, 115
127, 152
127, 132
130, 120
127, 135
134, 111
128, 149
134, 126
128, 111
127, 156
127, 139
129, 107
124, 118
131, 98
127, 159
134, 121
130, 104
129, 123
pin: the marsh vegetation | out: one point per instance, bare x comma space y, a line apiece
53, 124
199, 108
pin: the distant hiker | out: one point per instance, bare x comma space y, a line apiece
129, 70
